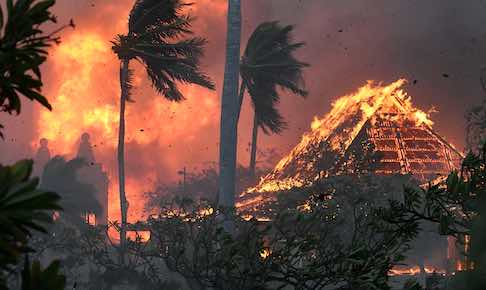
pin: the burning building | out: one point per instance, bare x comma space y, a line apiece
375, 130
376, 121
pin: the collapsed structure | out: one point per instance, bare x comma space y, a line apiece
377, 121
374, 130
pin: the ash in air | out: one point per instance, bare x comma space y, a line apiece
247, 145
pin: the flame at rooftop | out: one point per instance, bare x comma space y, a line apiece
378, 119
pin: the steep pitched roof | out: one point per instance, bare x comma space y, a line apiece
382, 116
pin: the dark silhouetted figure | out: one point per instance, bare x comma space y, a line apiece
85, 150
42, 156
93, 173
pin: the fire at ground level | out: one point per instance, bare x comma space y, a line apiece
378, 122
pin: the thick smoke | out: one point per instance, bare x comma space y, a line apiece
438, 45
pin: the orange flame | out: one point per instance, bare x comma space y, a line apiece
349, 113
142, 236
412, 271
84, 92
79, 57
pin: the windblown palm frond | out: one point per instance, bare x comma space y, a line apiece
156, 29
265, 98
150, 14
267, 65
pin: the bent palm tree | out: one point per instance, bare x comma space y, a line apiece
155, 39
268, 64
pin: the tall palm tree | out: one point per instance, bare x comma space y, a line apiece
229, 107
269, 64
157, 38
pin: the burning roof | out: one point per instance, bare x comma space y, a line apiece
377, 117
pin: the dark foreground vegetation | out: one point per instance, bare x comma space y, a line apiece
346, 233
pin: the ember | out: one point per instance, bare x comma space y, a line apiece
382, 116
412, 271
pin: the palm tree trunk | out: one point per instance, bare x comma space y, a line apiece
253, 147
229, 106
121, 158
240, 101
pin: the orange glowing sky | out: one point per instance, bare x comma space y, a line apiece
85, 96
348, 43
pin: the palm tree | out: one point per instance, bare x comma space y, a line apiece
267, 65
229, 106
157, 38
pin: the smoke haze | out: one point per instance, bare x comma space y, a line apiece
439, 46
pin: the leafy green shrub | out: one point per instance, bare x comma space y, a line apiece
23, 209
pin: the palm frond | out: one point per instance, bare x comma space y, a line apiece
147, 14
164, 75
156, 28
167, 64
187, 48
269, 64
176, 29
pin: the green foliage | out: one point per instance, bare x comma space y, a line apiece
320, 248
269, 63
453, 203
341, 243
23, 209
36, 278
200, 184
91, 247
457, 205
23, 48
156, 39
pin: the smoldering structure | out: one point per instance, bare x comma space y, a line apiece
377, 121
376, 130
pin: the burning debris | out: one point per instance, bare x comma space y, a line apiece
376, 119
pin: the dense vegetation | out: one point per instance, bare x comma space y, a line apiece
342, 232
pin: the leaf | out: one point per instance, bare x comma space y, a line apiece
23, 209
269, 64
33, 95
21, 170
42, 6
22, 27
